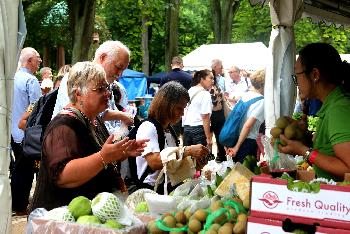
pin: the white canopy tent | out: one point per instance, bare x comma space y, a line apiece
249, 56
280, 99
12, 33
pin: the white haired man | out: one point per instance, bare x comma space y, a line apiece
238, 86
114, 57
26, 90
217, 68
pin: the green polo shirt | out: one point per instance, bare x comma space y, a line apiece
333, 126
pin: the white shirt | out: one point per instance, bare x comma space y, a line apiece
147, 130
62, 96
237, 90
255, 110
201, 104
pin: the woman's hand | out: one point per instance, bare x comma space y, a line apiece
115, 151
122, 149
197, 151
292, 147
231, 151
136, 148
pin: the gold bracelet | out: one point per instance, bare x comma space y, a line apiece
103, 161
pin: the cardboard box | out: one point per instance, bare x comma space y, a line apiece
325, 230
270, 198
268, 226
260, 225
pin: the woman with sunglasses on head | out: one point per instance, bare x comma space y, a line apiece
78, 155
320, 73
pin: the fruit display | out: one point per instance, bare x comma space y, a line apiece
222, 216
105, 210
106, 206
60, 214
291, 128
80, 206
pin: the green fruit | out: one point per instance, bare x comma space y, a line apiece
106, 206
290, 132
282, 122
60, 214
88, 219
141, 207
113, 224
276, 132
80, 206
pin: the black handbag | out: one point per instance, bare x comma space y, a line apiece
36, 124
32, 142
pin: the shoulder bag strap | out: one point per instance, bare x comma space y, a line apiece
188, 105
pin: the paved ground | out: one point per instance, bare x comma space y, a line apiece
19, 222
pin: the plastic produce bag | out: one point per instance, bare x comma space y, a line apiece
159, 204
278, 162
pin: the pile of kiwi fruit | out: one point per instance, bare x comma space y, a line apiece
290, 128
224, 224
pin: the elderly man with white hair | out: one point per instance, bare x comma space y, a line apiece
114, 57
26, 90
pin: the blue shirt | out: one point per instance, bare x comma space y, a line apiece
178, 75
26, 90
220, 80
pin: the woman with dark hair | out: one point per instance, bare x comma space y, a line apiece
197, 116
165, 110
320, 73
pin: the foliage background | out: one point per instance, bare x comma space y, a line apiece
48, 25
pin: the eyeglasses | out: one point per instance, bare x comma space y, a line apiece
102, 89
294, 77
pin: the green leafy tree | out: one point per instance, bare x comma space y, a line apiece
194, 26
222, 12
244, 29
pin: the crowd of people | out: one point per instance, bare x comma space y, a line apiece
82, 156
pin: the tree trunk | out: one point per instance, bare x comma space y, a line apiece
223, 12
216, 19
46, 56
60, 57
172, 32
144, 45
82, 19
